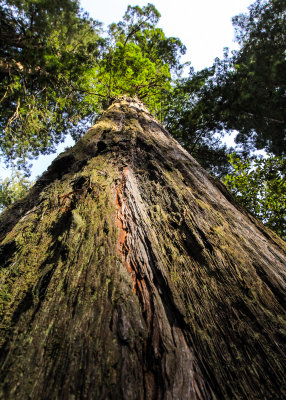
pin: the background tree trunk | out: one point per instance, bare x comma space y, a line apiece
129, 273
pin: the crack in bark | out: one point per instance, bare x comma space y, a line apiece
170, 368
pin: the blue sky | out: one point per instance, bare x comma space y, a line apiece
204, 27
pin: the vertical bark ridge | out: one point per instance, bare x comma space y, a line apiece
170, 369
129, 273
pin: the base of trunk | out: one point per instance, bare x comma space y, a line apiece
129, 273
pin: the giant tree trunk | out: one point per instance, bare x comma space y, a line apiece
129, 273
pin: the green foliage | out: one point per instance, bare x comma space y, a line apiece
193, 124
58, 72
258, 79
46, 49
260, 186
244, 91
138, 59
12, 189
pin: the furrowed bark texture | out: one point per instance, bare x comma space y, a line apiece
129, 273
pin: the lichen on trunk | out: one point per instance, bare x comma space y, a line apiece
129, 273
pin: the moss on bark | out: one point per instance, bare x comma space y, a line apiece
129, 273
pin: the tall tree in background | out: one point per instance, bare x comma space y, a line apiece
45, 54
258, 85
246, 91
129, 273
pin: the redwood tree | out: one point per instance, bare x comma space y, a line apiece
128, 272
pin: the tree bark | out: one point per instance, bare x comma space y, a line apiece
129, 273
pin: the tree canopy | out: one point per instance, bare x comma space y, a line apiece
12, 189
244, 91
260, 186
138, 59
58, 69
46, 51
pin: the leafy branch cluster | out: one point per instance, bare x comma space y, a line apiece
12, 189
45, 49
260, 186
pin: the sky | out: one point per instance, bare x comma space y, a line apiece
204, 27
